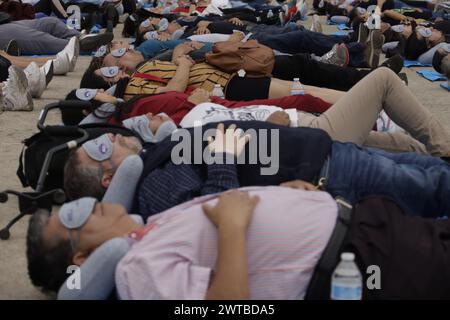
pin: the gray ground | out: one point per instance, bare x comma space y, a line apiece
15, 126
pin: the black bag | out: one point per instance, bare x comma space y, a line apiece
4, 17
36, 147
4, 66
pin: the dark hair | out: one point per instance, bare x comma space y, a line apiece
82, 180
437, 60
445, 66
47, 260
414, 47
71, 116
93, 81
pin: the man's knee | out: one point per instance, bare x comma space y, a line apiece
385, 75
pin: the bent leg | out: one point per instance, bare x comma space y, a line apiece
50, 25
352, 117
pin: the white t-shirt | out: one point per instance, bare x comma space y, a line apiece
211, 112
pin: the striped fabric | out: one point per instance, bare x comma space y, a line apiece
201, 75
177, 258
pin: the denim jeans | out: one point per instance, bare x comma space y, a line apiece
305, 41
419, 184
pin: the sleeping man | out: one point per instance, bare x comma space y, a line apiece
257, 243
419, 184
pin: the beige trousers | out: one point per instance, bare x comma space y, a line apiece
352, 117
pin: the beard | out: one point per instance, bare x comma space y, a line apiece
132, 143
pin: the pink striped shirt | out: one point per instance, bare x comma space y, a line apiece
176, 259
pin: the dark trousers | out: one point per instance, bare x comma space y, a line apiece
47, 7
305, 41
316, 73
412, 253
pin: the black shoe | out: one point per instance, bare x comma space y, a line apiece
48, 69
92, 42
12, 48
404, 77
395, 63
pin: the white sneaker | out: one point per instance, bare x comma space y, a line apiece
61, 64
72, 50
36, 79
15, 94
316, 26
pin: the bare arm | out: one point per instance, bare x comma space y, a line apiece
180, 80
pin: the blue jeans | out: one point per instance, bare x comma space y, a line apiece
151, 48
305, 41
419, 184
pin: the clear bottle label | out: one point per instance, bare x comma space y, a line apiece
346, 292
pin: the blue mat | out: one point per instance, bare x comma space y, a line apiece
431, 75
414, 63
446, 86
343, 26
339, 33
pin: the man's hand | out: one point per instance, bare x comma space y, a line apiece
279, 117
236, 22
103, 97
299, 184
199, 96
234, 209
236, 36
230, 141
202, 30
164, 36
184, 60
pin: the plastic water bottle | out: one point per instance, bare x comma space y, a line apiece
346, 282
297, 87
218, 92
269, 14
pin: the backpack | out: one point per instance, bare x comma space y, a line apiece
36, 147
256, 59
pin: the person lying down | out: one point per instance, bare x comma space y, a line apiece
250, 243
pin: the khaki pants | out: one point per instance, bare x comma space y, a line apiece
351, 119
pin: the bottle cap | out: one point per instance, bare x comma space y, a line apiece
217, 85
347, 256
296, 79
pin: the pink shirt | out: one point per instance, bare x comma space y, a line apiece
177, 257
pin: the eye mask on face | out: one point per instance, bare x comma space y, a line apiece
117, 53
74, 214
145, 24
86, 94
398, 28
99, 149
163, 24
424, 32
151, 35
141, 125
110, 72
101, 52
178, 33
